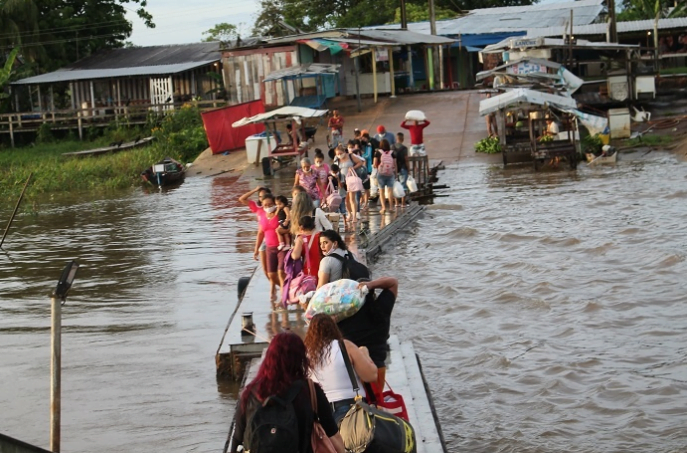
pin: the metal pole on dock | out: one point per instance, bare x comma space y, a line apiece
57, 299
16, 208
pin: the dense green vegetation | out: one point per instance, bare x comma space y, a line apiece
179, 135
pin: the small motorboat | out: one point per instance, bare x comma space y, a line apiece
609, 155
165, 173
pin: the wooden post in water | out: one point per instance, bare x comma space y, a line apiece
57, 299
55, 373
16, 208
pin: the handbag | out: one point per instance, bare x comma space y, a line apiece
333, 200
353, 181
302, 283
367, 429
318, 439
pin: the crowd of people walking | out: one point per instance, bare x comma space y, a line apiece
314, 375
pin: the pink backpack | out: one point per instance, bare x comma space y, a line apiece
332, 202
386, 164
302, 283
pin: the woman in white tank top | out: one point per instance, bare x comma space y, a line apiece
327, 366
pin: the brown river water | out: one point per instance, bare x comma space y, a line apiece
549, 311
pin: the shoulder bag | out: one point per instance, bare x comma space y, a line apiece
367, 429
353, 181
319, 440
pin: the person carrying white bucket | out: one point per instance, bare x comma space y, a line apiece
415, 122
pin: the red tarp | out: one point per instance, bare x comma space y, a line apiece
221, 136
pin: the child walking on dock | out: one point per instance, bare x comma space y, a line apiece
284, 214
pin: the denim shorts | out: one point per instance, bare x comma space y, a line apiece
385, 181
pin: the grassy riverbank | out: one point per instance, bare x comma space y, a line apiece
180, 136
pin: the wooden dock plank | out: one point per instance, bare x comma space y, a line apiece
429, 435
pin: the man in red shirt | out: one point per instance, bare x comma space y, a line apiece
417, 146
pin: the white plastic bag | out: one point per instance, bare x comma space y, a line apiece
374, 184
339, 299
411, 184
398, 190
415, 115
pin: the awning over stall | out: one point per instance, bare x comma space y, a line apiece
284, 112
519, 96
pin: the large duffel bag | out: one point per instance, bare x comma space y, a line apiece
368, 429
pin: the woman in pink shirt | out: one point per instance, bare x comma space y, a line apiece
269, 222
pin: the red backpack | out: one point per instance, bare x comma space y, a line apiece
386, 164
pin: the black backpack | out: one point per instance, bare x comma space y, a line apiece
352, 269
273, 427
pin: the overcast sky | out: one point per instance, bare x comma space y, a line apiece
184, 21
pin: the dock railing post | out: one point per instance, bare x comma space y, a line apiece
57, 299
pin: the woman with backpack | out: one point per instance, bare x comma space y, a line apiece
260, 419
385, 163
307, 246
337, 261
328, 368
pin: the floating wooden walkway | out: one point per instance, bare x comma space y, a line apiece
239, 353
110, 149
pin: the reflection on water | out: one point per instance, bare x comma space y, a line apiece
547, 309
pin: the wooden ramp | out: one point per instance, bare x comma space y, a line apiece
110, 149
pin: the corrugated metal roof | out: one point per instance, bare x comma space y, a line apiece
71, 75
376, 37
150, 56
401, 36
600, 29
512, 18
311, 69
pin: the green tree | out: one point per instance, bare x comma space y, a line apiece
222, 32
57, 32
651, 9
6, 72
271, 20
312, 15
417, 13
18, 24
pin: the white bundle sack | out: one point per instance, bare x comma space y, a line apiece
415, 115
